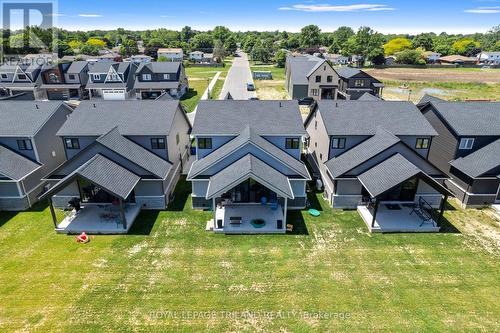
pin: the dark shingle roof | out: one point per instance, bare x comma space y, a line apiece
25, 118
249, 166
155, 84
364, 117
161, 67
470, 118
347, 72
15, 166
131, 117
429, 98
384, 176
481, 161
248, 135
230, 117
318, 65
368, 97
300, 67
361, 153
135, 153
76, 67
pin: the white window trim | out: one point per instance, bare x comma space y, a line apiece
466, 143
146, 77
96, 76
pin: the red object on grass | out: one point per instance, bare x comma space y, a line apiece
82, 238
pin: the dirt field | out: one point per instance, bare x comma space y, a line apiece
477, 75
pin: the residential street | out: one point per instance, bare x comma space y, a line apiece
237, 78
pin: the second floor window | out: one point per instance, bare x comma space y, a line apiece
24, 144
72, 143
338, 143
166, 76
205, 143
466, 143
422, 143
4, 76
359, 83
146, 77
157, 143
71, 76
318, 78
115, 77
21, 76
329, 79
292, 143
96, 77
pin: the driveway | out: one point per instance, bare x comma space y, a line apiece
237, 78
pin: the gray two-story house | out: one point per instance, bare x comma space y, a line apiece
372, 156
29, 149
111, 80
65, 81
467, 148
153, 79
21, 80
121, 157
248, 167
354, 83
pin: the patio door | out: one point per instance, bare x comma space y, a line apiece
408, 190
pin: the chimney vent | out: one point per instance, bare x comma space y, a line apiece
36, 106
94, 106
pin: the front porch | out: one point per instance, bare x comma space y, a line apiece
238, 218
396, 217
99, 219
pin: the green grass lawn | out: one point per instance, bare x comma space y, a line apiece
169, 274
271, 89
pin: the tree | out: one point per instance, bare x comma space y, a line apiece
280, 58
162, 59
99, 43
75, 44
186, 34
365, 43
221, 33
89, 49
310, 36
293, 42
260, 53
249, 43
219, 51
465, 46
129, 48
396, 45
202, 41
230, 44
340, 37
423, 40
411, 57
63, 49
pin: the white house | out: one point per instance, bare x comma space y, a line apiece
172, 54
492, 58
432, 56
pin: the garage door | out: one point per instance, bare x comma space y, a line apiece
56, 95
113, 94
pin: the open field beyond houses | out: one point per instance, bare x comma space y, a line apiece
330, 275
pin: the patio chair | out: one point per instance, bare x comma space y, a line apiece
423, 210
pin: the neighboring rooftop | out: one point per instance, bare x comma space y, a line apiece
368, 97
481, 162
161, 67
230, 117
94, 118
348, 117
347, 72
76, 67
15, 166
301, 66
25, 118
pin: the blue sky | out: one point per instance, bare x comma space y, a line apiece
453, 16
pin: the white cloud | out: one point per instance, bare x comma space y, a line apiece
484, 10
167, 16
334, 8
90, 15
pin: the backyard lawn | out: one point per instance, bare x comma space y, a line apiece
169, 274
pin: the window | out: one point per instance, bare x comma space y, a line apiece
166, 76
316, 125
115, 77
177, 139
359, 83
96, 77
329, 79
338, 143
71, 76
24, 144
314, 92
466, 143
146, 77
21, 76
422, 143
157, 143
321, 157
292, 143
205, 143
318, 78
4, 76
72, 143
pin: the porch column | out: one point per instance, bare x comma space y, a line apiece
441, 209
284, 213
122, 214
214, 208
53, 213
375, 212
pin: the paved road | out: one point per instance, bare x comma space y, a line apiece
237, 78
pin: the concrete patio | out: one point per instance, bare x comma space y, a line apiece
248, 212
98, 219
394, 220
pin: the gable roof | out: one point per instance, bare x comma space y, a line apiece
470, 118
248, 135
361, 153
160, 67
368, 97
25, 118
354, 117
300, 67
318, 65
95, 118
249, 167
481, 161
230, 117
427, 99
76, 67
347, 72
14, 165
135, 153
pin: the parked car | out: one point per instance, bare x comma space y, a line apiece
306, 101
250, 87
